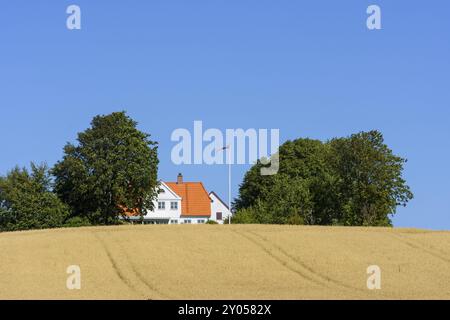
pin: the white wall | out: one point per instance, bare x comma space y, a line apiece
167, 197
218, 206
193, 220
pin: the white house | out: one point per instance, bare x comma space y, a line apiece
184, 203
219, 209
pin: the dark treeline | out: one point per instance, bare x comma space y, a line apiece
345, 181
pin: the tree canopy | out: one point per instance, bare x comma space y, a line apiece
27, 202
113, 166
355, 180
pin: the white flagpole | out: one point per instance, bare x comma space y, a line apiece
229, 183
228, 157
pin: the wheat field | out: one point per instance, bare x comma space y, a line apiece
225, 262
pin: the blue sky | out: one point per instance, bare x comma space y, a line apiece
308, 68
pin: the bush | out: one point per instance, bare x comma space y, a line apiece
245, 216
77, 222
211, 222
295, 219
27, 202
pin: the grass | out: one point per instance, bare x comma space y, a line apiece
225, 262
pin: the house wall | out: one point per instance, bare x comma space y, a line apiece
218, 206
193, 220
167, 213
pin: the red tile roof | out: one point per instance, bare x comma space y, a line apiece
125, 212
195, 200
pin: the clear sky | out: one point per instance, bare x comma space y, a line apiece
309, 68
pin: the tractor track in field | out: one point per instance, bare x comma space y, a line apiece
288, 262
320, 277
415, 245
139, 275
282, 262
115, 266
119, 271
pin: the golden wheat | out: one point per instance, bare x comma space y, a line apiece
225, 262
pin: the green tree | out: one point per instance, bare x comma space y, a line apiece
285, 197
355, 180
290, 201
302, 158
113, 166
27, 202
370, 185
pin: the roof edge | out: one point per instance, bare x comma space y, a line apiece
217, 196
173, 192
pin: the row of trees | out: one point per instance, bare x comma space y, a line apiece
113, 166
355, 180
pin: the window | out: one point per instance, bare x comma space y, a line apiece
174, 205
161, 205
187, 221
174, 221
218, 215
200, 221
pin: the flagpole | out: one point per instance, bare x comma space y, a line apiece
228, 159
229, 184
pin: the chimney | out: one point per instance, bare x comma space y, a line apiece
180, 178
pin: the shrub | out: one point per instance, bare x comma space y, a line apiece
245, 216
77, 222
27, 202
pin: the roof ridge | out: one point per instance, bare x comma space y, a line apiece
184, 182
204, 189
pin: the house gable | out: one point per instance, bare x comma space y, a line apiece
166, 193
219, 209
214, 195
195, 200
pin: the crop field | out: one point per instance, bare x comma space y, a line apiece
225, 262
